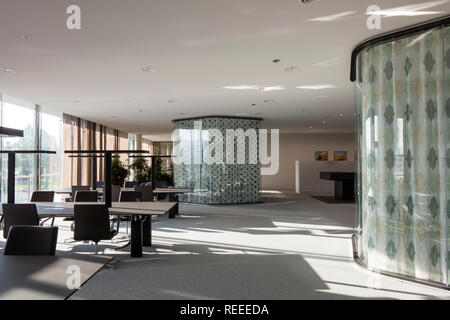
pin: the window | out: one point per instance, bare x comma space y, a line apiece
50, 166
41, 131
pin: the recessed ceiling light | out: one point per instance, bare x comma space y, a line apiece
7, 70
149, 69
253, 104
25, 36
410, 10
274, 88
307, 1
171, 101
292, 69
276, 61
76, 101
317, 87
310, 127
333, 17
243, 87
324, 122
113, 117
140, 110
268, 101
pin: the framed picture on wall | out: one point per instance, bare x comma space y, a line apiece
321, 155
340, 156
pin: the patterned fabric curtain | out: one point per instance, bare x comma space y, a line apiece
404, 185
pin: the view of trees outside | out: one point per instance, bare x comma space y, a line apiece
23, 118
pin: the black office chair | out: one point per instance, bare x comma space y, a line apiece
131, 184
163, 185
43, 196
86, 196
127, 196
77, 188
23, 214
31, 241
130, 196
92, 223
147, 193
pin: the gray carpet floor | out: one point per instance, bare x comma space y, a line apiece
289, 247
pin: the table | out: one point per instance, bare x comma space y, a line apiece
64, 191
141, 217
44, 277
344, 184
171, 190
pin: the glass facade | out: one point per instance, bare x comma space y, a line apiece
219, 166
42, 130
403, 109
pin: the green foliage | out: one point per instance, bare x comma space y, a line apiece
165, 174
142, 171
119, 172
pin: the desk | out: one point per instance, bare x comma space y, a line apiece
344, 184
44, 277
64, 191
141, 213
171, 190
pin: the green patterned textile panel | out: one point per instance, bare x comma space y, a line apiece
403, 95
201, 147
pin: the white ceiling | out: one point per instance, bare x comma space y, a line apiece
198, 47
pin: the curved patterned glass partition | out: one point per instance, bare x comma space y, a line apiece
403, 101
217, 157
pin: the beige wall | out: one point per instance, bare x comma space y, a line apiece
302, 147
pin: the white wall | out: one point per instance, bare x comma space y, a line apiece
302, 147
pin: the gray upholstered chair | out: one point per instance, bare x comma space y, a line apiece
31, 240
24, 214
92, 223
43, 196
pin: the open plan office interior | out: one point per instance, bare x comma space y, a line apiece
195, 151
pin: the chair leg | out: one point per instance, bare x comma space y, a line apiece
96, 248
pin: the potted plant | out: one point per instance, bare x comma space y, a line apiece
142, 171
119, 172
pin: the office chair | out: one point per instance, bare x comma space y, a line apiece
163, 185
24, 214
131, 184
92, 223
42, 196
86, 196
127, 196
78, 188
147, 193
31, 241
